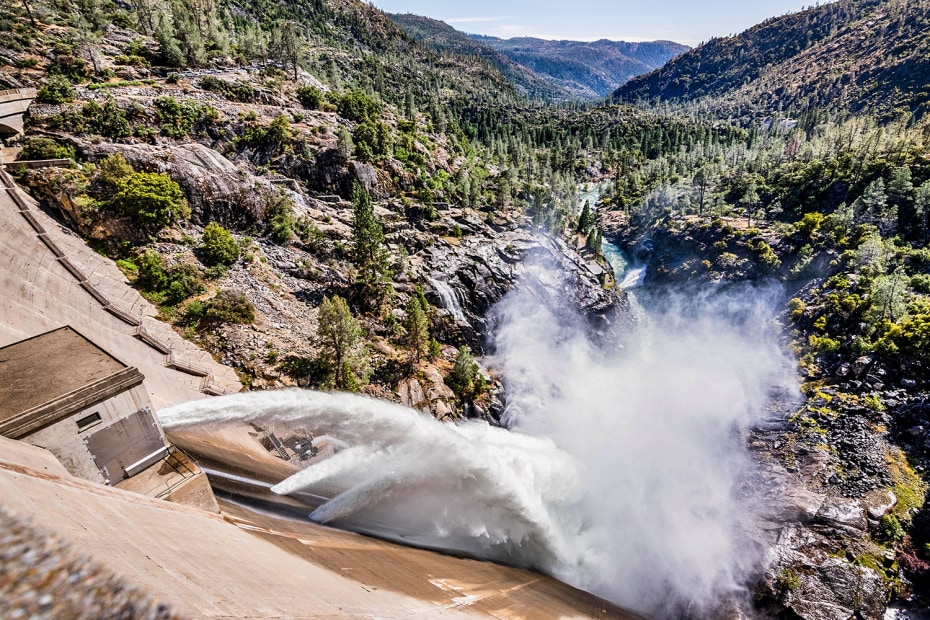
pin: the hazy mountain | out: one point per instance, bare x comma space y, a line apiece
594, 68
444, 39
554, 70
860, 55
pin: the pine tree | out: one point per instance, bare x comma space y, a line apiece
168, 44
369, 252
344, 144
594, 241
417, 328
586, 219
463, 377
339, 337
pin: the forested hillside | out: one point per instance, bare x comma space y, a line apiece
442, 38
326, 101
870, 56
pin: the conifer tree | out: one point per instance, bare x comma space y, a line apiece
586, 219
369, 252
339, 337
417, 328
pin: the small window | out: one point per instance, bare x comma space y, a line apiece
86, 422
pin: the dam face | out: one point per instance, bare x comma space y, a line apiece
50, 278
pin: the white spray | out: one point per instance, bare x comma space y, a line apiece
655, 431
618, 472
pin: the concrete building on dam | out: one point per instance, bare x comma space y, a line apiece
61, 392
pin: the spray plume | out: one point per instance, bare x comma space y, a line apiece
617, 474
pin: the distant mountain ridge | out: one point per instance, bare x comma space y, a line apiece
595, 68
859, 55
550, 70
444, 39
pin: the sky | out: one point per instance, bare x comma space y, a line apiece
684, 21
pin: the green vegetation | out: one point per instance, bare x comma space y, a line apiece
756, 71
45, 148
787, 581
229, 307
466, 379
170, 285
369, 253
310, 97
417, 328
151, 199
58, 90
219, 246
340, 339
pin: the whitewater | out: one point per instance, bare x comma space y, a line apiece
617, 471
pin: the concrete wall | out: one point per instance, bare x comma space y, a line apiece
13, 104
38, 293
65, 441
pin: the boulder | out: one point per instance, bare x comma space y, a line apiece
215, 188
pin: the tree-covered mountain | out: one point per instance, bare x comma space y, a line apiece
549, 70
589, 69
444, 39
858, 55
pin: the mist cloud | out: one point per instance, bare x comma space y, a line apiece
617, 474
655, 431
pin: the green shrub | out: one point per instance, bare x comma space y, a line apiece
768, 259
45, 148
280, 220
796, 308
823, 344
787, 581
356, 106
176, 119
219, 246
113, 169
372, 140
131, 60
890, 530
921, 283
174, 284
809, 224
310, 97
109, 120
58, 90
151, 199
234, 92
465, 379
911, 337
152, 276
229, 307
184, 280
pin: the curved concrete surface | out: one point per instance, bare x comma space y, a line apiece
246, 564
13, 104
40, 291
